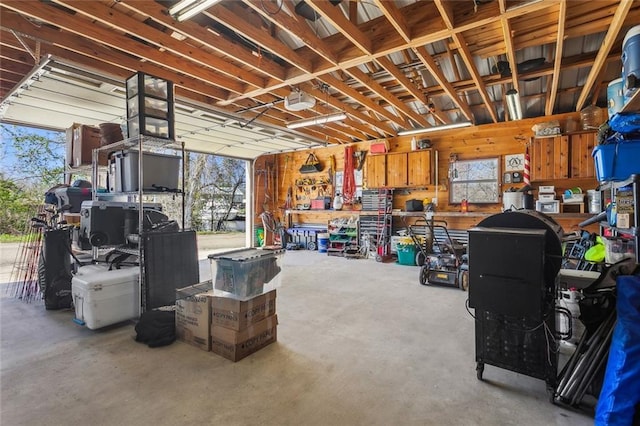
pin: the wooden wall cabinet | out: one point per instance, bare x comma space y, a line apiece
419, 168
399, 169
562, 157
376, 170
581, 146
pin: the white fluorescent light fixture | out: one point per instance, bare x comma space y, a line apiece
434, 128
186, 9
317, 120
513, 105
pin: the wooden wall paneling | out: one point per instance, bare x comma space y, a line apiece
469, 143
397, 170
376, 171
582, 164
560, 157
419, 168
542, 159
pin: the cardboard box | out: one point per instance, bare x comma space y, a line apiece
193, 320
69, 144
85, 140
238, 315
379, 147
235, 345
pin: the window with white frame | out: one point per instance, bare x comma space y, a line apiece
476, 181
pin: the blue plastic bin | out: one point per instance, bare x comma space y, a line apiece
617, 161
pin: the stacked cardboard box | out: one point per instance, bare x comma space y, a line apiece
193, 318
80, 143
229, 327
240, 328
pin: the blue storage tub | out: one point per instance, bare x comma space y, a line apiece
617, 161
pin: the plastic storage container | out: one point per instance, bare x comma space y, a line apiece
631, 61
617, 161
102, 297
160, 171
151, 85
150, 108
245, 273
548, 207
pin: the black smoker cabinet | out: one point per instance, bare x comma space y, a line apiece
514, 258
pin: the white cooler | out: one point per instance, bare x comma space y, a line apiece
102, 297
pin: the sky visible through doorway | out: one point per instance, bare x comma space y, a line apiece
10, 165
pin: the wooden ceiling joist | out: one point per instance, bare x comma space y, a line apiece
127, 25
296, 26
607, 44
432, 67
244, 54
334, 15
213, 41
557, 64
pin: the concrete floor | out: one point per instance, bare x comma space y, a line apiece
359, 343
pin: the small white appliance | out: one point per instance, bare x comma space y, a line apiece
299, 101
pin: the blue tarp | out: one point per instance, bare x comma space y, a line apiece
620, 394
625, 123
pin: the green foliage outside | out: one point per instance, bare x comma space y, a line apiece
16, 205
32, 162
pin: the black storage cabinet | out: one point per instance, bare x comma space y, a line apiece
513, 261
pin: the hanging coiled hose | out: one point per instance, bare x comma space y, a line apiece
270, 224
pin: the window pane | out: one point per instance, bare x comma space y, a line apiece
476, 170
475, 181
475, 192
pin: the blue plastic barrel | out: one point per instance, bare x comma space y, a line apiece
631, 61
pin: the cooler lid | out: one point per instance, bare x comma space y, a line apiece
96, 280
634, 31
